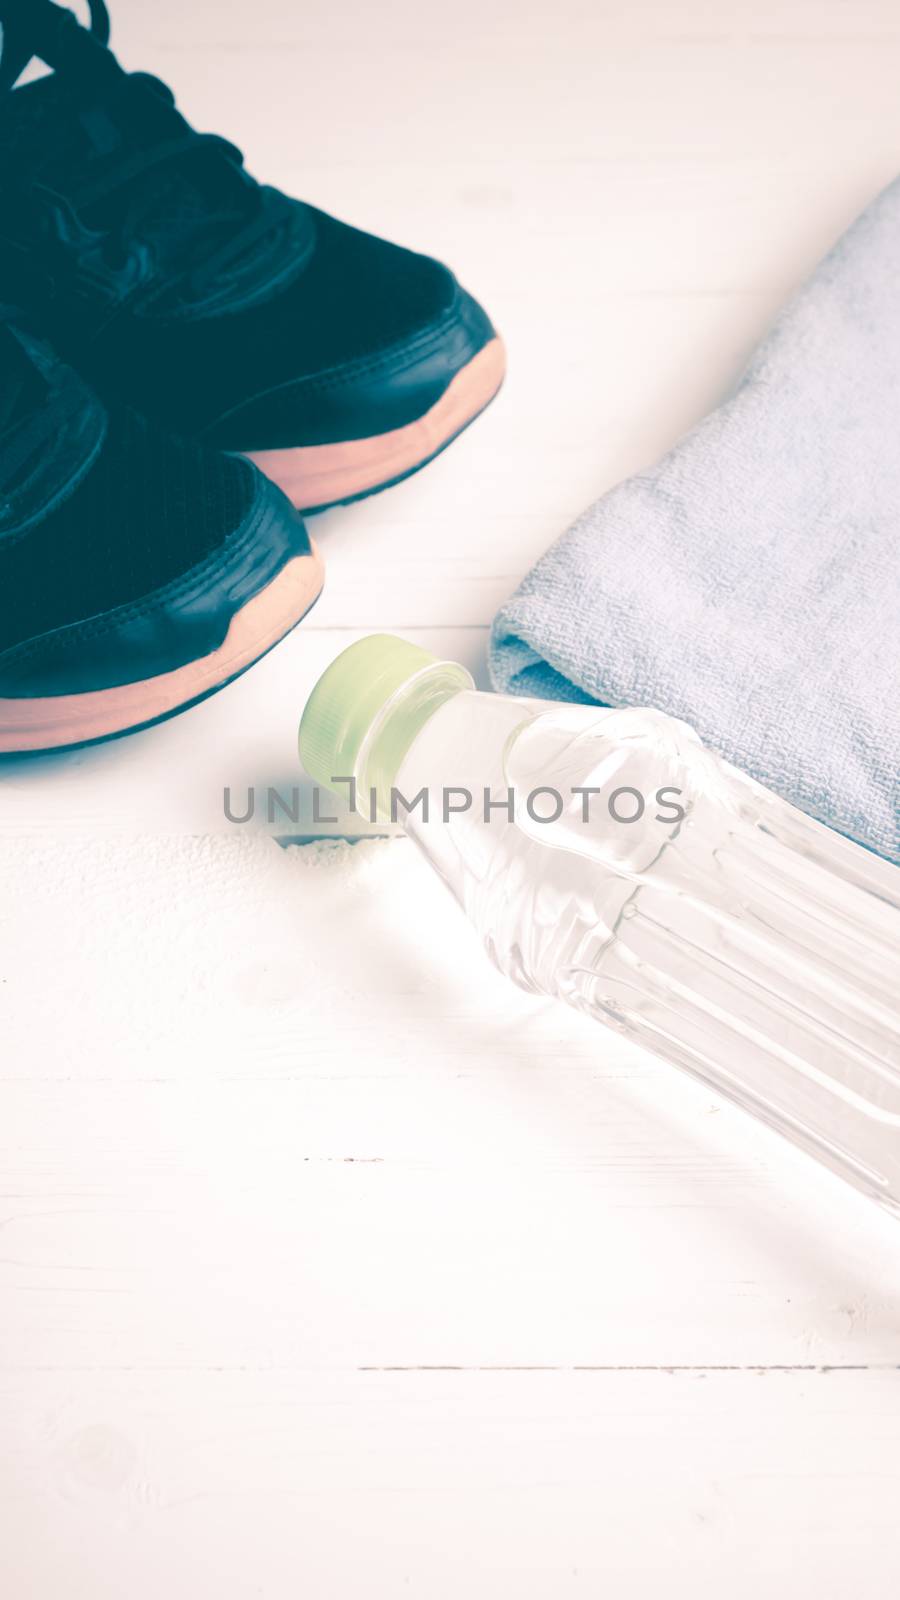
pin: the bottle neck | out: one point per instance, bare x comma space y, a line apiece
396, 725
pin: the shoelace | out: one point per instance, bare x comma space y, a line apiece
44, 29
30, 29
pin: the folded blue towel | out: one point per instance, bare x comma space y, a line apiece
750, 582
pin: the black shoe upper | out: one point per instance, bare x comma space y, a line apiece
124, 553
51, 431
181, 286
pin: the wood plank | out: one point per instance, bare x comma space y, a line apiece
382, 1484
286, 1094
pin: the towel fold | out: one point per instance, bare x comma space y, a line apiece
750, 582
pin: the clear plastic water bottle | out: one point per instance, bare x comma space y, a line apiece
608, 858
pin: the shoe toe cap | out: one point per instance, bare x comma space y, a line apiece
362, 396
172, 638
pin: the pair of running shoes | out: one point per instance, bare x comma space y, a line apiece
188, 361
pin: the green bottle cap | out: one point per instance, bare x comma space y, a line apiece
371, 703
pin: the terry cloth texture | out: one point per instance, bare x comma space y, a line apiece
750, 582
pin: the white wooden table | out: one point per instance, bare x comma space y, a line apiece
331, 1265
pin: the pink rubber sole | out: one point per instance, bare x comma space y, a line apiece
325, 474
58, 720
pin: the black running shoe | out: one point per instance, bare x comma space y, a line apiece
137, 574
223, 309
